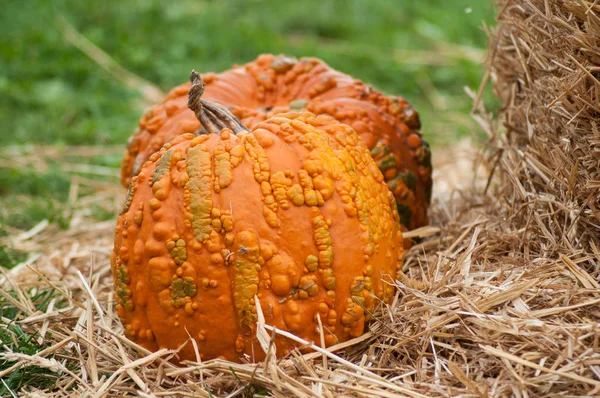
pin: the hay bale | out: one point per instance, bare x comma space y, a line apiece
545, 66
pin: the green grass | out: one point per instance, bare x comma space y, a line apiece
14, 338
51, 93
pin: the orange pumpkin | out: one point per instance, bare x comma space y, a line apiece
294, 212
273, 84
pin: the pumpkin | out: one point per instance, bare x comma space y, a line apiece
273, 84
294, 212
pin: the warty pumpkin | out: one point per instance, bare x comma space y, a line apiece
273, 84
294, 212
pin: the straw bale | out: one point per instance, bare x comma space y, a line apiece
545, 66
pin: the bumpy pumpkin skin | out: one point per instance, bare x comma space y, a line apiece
274, 84
295, 212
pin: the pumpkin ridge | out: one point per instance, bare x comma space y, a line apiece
198, 194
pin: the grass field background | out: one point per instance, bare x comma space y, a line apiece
63, 114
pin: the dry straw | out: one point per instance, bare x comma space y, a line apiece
545, 67
501, 299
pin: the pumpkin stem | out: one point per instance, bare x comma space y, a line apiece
212, 116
